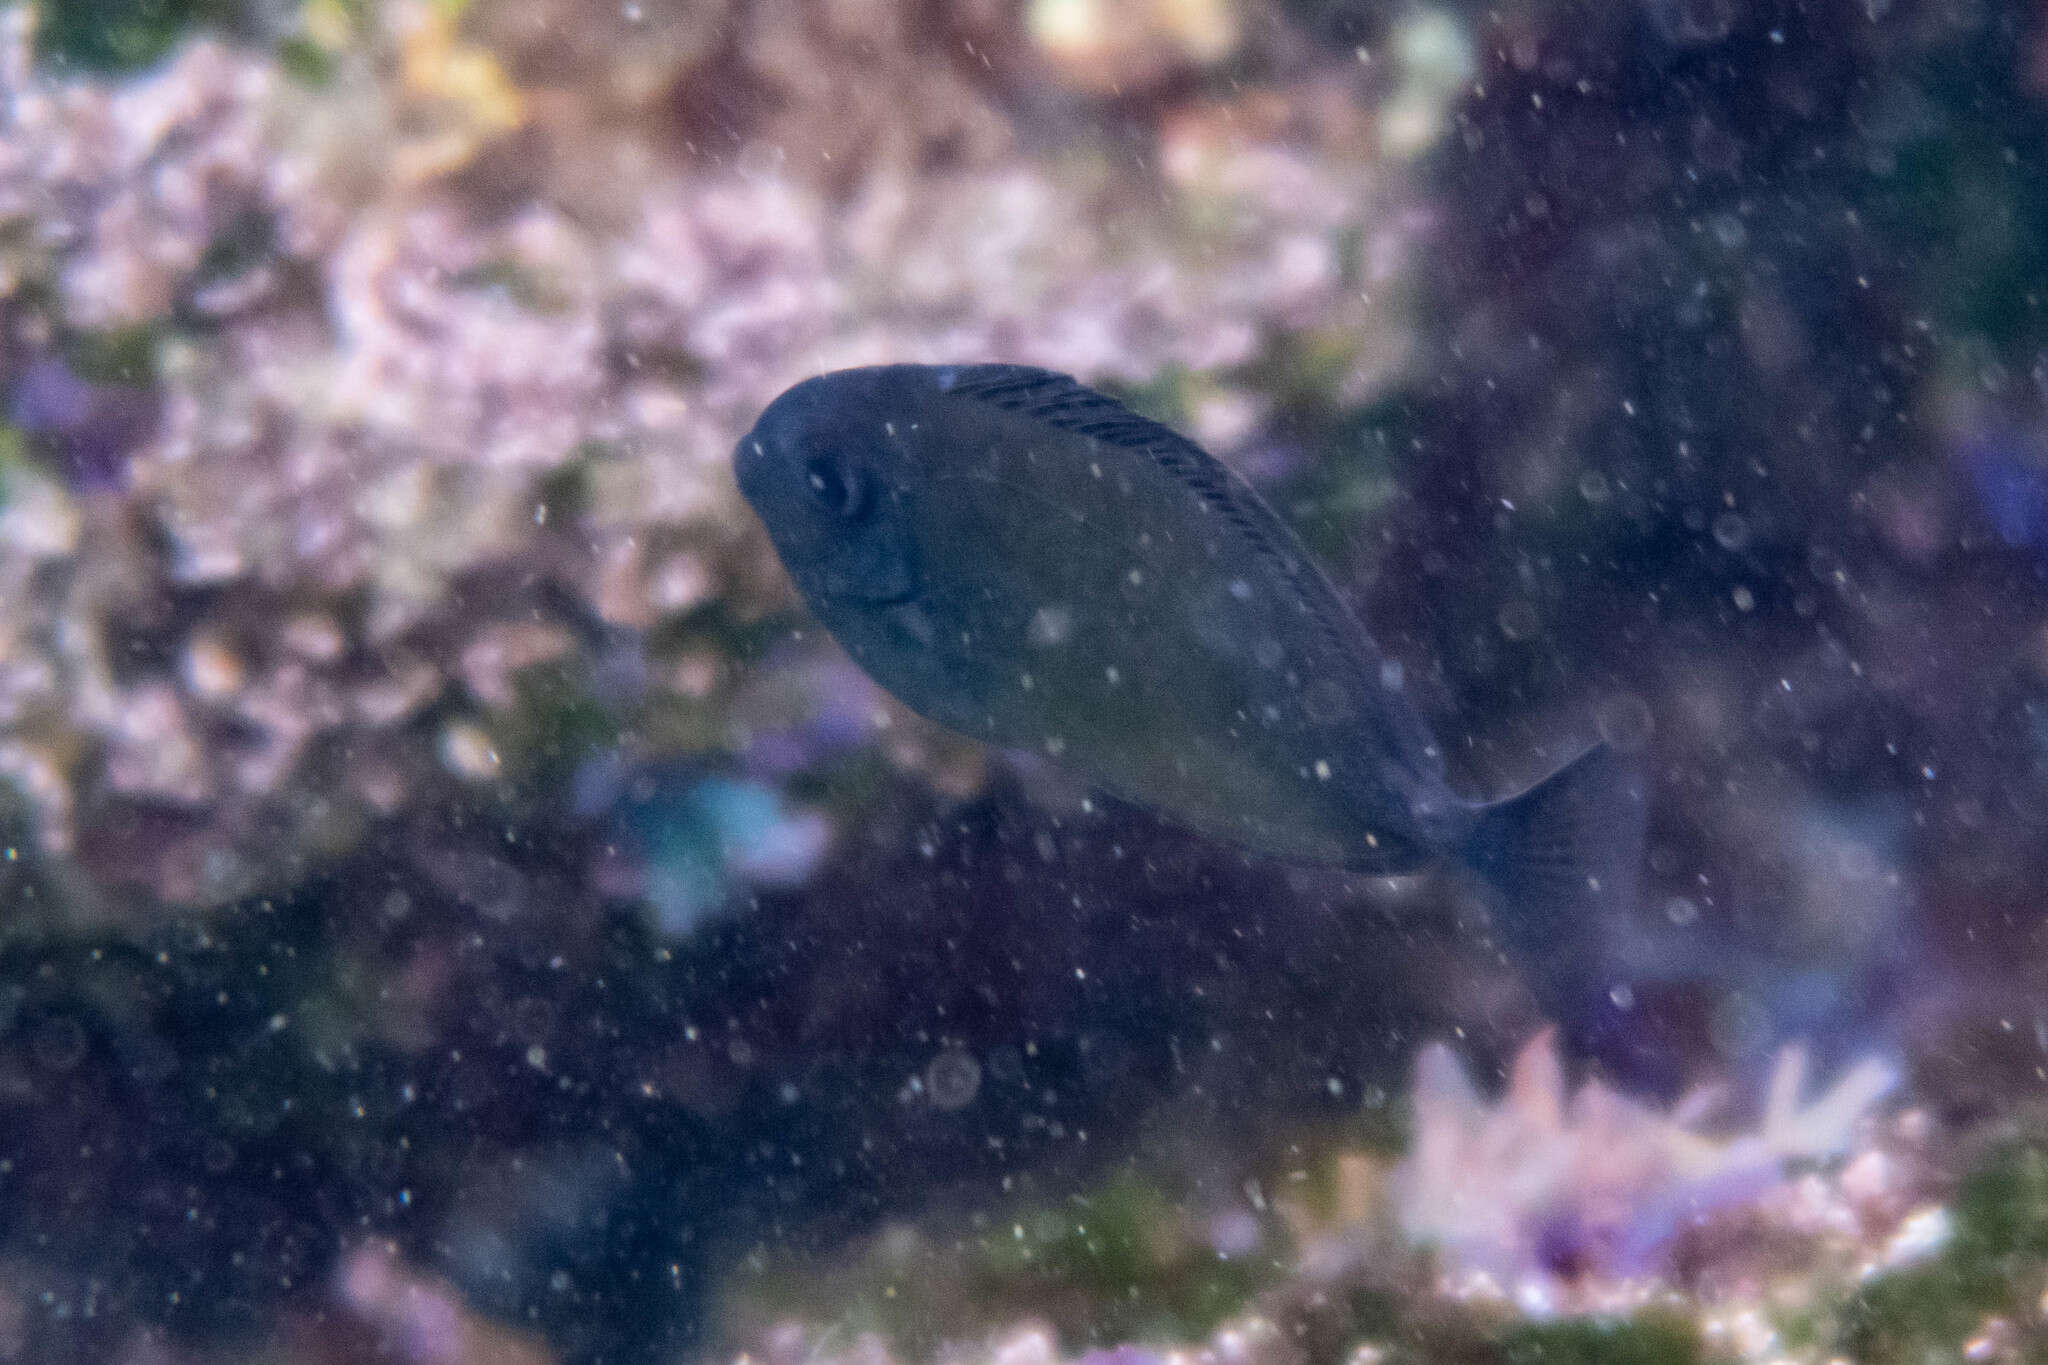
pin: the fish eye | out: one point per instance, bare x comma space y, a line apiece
838, 487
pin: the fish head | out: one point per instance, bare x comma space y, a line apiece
834, 470
887, 506
827, 470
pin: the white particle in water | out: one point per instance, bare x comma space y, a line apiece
1050, 625
468, 752
1519, 621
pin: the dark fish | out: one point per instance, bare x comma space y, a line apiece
1022, 559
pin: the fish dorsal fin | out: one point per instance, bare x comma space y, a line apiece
1060, 400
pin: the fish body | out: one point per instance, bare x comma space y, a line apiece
1027, 561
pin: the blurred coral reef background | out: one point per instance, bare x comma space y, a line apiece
457, 909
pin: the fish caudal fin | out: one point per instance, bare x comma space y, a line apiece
1562, 856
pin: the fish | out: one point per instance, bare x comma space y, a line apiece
1025, 560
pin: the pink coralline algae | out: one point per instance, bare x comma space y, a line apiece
1250, 1340
381, 330
416, 1320
128, 185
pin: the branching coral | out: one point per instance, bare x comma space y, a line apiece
1549, 1184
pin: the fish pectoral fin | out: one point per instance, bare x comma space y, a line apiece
914, 622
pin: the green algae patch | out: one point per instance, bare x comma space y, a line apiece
1126, 1249
1994, 1266
1650, 1339
555, 722
1116, 1265
1409, 1324
13, 454
117, 355
112, 35
1123, 1262
516, 281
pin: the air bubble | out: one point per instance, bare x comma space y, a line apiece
952, 1079
1681, 910
1728, 230
1593, 487
60, 1043
1519, 621
1731, 531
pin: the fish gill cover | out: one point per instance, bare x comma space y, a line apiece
459, 906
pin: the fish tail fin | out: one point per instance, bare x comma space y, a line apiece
1562, 855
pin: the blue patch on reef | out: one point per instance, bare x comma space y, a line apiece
88, 429
693, 841
2009, 473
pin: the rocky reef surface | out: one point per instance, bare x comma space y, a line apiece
456, 906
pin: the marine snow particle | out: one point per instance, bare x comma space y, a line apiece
468, 752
